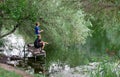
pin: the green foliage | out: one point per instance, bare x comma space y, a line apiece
105, 29
17, 10
66, 29
105, 70
23, 13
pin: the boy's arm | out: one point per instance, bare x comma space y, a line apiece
41, 31
46, 42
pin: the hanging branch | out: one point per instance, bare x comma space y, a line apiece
15, 27
10, 32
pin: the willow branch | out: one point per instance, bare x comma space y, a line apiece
10, 32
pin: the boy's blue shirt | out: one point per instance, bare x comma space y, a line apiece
37, 29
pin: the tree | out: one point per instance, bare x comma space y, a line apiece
14, 13
65, 26
104, 16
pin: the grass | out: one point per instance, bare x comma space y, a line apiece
4, 73
106, 70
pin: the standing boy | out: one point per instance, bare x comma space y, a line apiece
37, 29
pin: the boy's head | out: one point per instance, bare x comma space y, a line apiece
37, 23
39, 36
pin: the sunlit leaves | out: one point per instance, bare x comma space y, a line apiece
17, 9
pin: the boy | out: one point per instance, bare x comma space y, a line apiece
39, 43
37, 29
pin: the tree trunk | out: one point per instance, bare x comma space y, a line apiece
0, 26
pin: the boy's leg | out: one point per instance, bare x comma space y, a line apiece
43, 45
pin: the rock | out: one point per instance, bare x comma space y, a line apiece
1, 49
15, 57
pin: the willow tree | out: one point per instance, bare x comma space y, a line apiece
65, 25
105, 16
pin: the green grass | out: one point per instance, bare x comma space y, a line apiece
4, 73
106, 70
